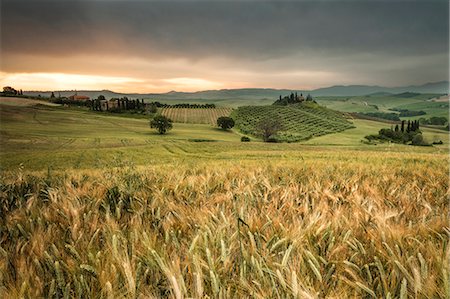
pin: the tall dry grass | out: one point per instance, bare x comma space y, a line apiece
375, 227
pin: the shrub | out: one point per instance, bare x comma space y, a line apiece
245, 139
418, 140
225, 122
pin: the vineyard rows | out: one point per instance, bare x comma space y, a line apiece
195, 116
300, 122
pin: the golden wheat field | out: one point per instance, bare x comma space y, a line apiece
376, 226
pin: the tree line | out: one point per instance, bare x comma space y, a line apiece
183, 105
9, 91
293, 98
406, 133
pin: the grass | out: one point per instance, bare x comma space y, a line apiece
438, 109
382, 103
353, 137
101, 207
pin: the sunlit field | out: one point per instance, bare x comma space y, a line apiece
323, 226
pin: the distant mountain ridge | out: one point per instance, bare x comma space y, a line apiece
259, 93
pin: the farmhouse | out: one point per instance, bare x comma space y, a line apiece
77, 97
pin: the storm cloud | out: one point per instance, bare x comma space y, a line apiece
293, 44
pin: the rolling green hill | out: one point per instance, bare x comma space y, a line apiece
300, 121
383, 103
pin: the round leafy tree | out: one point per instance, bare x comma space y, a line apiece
225, 122
161, 123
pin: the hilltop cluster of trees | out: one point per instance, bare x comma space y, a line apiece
9, 91
407, 132
293, 98
183, 105
115, 104
126, 104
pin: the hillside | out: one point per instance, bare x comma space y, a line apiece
299, 121
429, 103
360, 90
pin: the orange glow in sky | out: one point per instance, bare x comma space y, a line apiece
61, 81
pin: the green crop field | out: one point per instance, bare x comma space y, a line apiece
195, 116
300, 122
438, 109
96, 205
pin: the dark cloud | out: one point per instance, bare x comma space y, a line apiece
334, 35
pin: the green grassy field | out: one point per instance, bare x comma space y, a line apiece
367, 127
382, 103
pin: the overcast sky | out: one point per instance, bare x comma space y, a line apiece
151, 46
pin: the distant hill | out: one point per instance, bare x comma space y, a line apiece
259, 93
361, 90
406, 94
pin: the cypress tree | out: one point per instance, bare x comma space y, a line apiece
403, 126
408, 129
396, 128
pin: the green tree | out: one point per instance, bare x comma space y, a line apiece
225, 122
161, 123
152, 108
268, 127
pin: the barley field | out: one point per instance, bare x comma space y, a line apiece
323, 226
